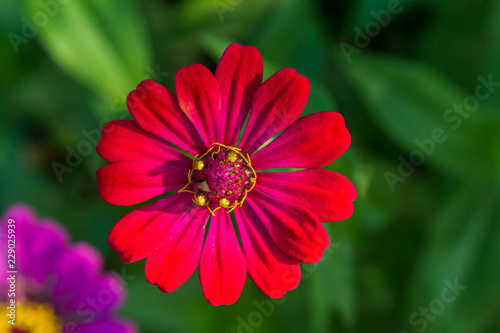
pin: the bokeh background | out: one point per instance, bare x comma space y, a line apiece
418, 226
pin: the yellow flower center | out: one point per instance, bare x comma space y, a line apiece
221, 178
29, 318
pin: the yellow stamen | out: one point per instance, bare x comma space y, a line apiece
199, 165
232, 157
200, 200
224, 203
200, 185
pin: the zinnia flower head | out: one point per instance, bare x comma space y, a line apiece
278, 214
56, 286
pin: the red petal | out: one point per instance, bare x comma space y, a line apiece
145, 229
125, 140
174, 262
276, 104
157, 111
311, 142
131, 182
295, 229
222, 265
239, 74
271, 270
199, 98
327, 194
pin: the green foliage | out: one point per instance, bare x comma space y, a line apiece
464, 241
411, 101
103, 44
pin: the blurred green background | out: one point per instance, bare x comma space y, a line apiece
414, 91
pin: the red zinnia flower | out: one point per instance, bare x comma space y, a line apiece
278, 214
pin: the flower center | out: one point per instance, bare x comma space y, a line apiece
28, 318
221, 178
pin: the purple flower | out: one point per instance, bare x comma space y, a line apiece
55, 286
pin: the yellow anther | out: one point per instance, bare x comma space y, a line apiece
232, 157
240, 178
224, 203
199, 165
201, 200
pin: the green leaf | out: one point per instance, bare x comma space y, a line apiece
464, 244
335, 278
458, 43
287, 43
101, 44
365, 11
239, 19
410, 102
491, 62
